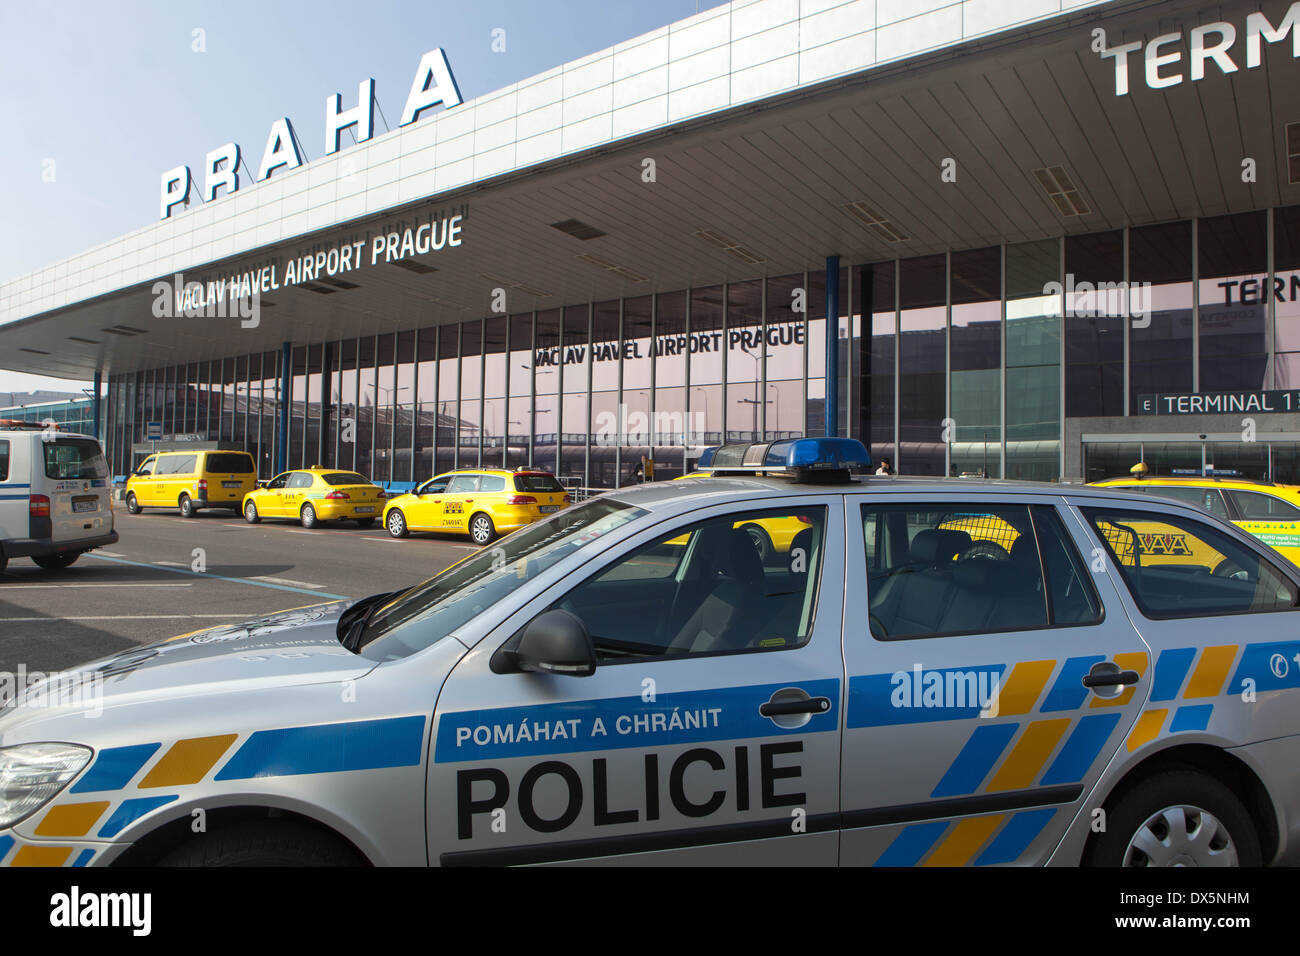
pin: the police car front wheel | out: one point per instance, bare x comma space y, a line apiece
263, 844
1177, 818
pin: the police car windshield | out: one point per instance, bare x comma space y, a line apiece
430, 611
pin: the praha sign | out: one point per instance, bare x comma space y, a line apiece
433, 86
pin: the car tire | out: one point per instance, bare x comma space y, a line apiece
186, 504
396, 524
132, 505
262, 844
365, 522
481, 529
1177, 818
762, 541
307, 517
250, 513
56, 562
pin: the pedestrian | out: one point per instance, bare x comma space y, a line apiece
885, 468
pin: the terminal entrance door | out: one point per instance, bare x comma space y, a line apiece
1166, 456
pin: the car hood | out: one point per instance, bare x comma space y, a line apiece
288, 648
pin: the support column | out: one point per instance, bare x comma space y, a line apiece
286, 405
94, 402
832, 410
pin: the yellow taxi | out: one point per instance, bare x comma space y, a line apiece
1269, 512
316, 494
191, 481
770, 535
483, 503
1137, 544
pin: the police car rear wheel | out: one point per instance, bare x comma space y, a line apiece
396, 524
1177, 818
263, 844
481, 529
132, 505
250, 513
186, 506
307, 516
56, 562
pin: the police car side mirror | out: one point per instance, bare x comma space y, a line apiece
556, 642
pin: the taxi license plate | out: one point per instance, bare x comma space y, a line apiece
232, 484
364, 510
548, 509
82, 505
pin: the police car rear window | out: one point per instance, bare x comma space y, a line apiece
344, 478
537, 483
235, 464
74, 458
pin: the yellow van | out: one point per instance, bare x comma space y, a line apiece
191, 481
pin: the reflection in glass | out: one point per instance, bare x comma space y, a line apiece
922, 364
1233, 274
1033, 362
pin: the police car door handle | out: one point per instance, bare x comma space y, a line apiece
813, 705
1108, 674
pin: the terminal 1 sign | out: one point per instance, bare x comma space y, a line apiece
433, 85
1209, 403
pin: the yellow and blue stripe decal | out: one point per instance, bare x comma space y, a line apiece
6, 844
328, 748
1003, 837
114, 768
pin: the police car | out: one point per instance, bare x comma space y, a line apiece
630, 680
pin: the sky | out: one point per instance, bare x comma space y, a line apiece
98, 99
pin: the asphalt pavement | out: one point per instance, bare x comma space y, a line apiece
169, 575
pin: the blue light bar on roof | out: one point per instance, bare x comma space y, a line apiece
790, 454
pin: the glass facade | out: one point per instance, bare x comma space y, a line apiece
961, 363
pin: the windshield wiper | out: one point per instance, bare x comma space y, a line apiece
353, 621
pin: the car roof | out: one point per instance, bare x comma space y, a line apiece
1209, 481
671, 495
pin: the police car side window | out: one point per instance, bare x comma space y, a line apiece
735, 583
1176, 567
937, 571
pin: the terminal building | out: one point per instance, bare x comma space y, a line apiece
1030, 239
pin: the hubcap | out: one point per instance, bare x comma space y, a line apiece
251, 511
480, 530
395, 523
1181, 835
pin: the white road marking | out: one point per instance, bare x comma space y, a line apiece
288, 581
20, 587
173, 564
111, 554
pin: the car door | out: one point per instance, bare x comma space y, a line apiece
1270, 519
142, 481
708, 732
271, 502
425, 512
457, 502
971, 626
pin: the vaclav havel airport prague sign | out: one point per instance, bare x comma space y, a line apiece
433, 85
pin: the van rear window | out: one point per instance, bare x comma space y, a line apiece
537, 483
74, 458
236, 463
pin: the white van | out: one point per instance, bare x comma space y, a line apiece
54, 503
